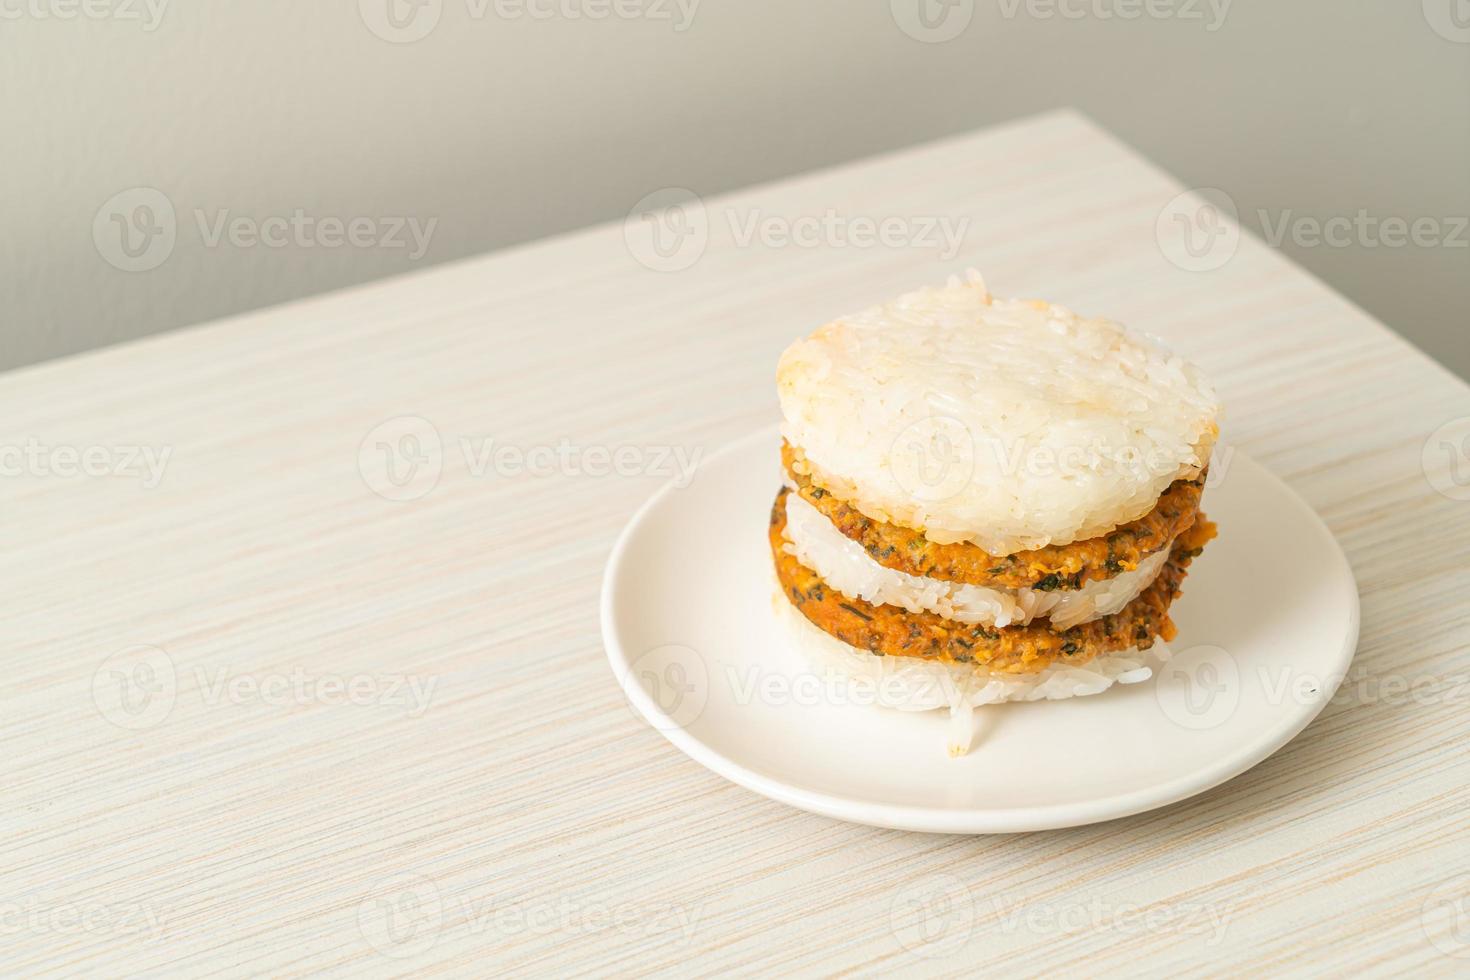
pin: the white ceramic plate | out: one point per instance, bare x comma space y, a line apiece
1267, 627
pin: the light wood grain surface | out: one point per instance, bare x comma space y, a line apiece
259, 718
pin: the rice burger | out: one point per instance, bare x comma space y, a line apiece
987, 500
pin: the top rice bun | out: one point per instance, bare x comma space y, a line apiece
1011, 424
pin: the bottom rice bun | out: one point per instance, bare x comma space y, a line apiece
916, 684
929, 643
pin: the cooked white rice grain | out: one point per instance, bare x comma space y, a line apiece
1011, 424
845, 566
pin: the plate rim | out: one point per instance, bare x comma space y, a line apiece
964, 820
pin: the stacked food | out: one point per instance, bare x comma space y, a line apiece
987, 500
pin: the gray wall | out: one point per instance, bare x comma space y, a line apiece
500, 126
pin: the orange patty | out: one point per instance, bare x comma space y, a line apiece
895, 632
1069, 566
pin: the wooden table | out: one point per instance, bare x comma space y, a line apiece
317, 693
